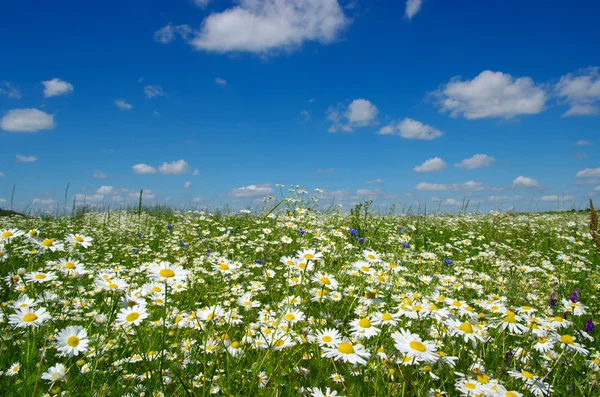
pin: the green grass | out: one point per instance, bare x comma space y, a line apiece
512, 261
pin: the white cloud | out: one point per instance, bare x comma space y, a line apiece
26, 159
582, 142
477, 161
178, 167
196, 200
325, 171
94, 198
123, 105
491, 94
360, 113
556, 198
187, 185
431, 187
221, 82
147, 194
432, 165
26, 120
374, 181
10, 90
168, 33
252, 191
524, 182
104, 190
43, 201
412, 8
100, 175
581, 91
2, 174
260, 26
56, 87
499, 198
196, 172
588, 172
470, 185
201, 3
3, 201
411, 129
117, 199
152, 91
587, 182
597, 189
143, 169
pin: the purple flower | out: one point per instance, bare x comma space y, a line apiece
553, 300
405, 245
302, 232
448, 262
170, 227
259, 261
361, 240
182, 244
353, 232
589, 325
139, 234
575, 295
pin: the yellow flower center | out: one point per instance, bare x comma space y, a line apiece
166, 273
7, 234
79, 239
29, 317
156, 289
510, 318
511, 394
290, 317
326, 338
456, 303
235, 345
223, 267
364, 323
33, 233
131, 317
39, 276
527, 374
308, 256
483, 378
467, 328
325, 280
73, 341
112, 286
279, 342
567, 339
494, 308
371, 257
417, 308
387, 317
365, 269
418, 346
470, 386
48, 243
70, 265
345, 348
526, 308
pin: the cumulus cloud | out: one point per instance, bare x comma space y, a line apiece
56, 87
93, 198
104, 190
152, 91
588, 172
491, 94
260, 26
10, 90
178, 167
432, 165
221, 82
457, 187
26, 120
431, 187
556, 198
495, 198
100, 175
187, 185
123, 105
201, 3
252, 191
26, 159
477, 161
581, 91
411, 129
360, 113
143, 169
168, 33
196, 172
524, 182
412, 8
374, 181
147, 194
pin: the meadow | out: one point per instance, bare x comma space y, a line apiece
293, 301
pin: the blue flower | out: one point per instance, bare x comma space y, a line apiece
259, 261
589, 326
448, 262
170, 227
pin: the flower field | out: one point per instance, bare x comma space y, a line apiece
296, 302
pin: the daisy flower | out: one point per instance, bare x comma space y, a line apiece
78, 239
469, 332
56, 373
412, 346
293, 316
39, 277
326, 280
71, 267
33, 234
262, 379
3, 254
24, 302
29, 317
328, 337
567, 342
543, 344
72, 340
362, 328
316, 392
310, 254
225, 267
167, 272
347, 352
51, 244
10, 234
13, 370
371, 256
131, 316
511, 322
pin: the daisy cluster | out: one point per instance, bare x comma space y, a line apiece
298, 302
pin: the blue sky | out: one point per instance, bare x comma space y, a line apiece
212, 102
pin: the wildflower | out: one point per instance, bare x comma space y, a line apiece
567, 342
51, 244
262, 379
362, 328
72, 340
10, 234
77, 239
310, 254
589, 325
131, 316
13, 369
29, 317
412, 346
167, 272
347, 352
57, 373
40, 277
328, 337
316, 392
